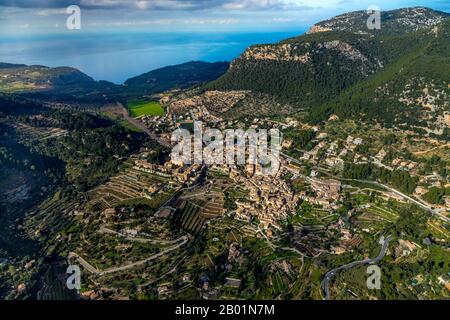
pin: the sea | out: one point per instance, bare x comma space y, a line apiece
116, 57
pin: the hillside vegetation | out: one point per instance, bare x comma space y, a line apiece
180, 76
396, 74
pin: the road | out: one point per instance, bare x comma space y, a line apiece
175, 267
104, 229
330, 274
138, 124
83, 262
418, 203
432, 149
96, 271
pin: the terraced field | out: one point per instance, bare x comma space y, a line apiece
52, 215
384, 213
129, 185
198, 206
439, 229
189, 217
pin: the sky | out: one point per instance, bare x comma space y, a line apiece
49, 16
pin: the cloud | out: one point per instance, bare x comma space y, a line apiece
152, 4
37, 4
282, 20
253, 4
163, 22
226, 5
51, 11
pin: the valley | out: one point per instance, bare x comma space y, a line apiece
87, 176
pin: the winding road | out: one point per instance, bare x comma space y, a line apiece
104, 229
375, 183
418, 203
330, 274
96, 271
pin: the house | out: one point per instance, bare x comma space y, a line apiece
186, 278
406, 247
131, 232
381, 154
349, 139
211, 295
333, 117
165, 213
109, 212
326, 189
232, 282
287, 143
164, 288
21, 288
420, 190
444, 282
447, 202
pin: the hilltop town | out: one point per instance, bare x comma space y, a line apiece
88, 177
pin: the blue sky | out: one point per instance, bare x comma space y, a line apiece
49, 16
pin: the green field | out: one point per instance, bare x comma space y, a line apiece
17, 87
148, 108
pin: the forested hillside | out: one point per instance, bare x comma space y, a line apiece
180, 76
342, 67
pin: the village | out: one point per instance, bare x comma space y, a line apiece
227, 205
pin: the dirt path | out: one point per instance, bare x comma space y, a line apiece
432, 149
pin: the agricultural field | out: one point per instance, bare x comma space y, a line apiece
18, 86
145, 108
131, 187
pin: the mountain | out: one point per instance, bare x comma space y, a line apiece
180, 76
16, 77
393, 22
61, 83
341, 66
413, 92
70, 84
4, 65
